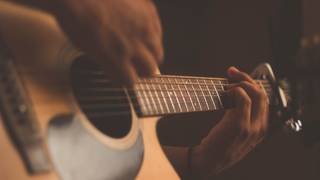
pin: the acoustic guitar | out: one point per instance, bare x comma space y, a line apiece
63, 119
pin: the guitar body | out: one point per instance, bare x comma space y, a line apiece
71, 147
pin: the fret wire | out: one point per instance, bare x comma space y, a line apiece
144, 101
103, 89
169, 94
157, 97
222, 87
211, 96
219, 98
190, 97
153, 98
165, 100
203, 95
150, 99
198, 89
176, 97
184, 100
196, 95
189, 103
170, 99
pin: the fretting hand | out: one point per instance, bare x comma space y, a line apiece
240, 130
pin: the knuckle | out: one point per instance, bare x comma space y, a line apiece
261, 96
260, 131
245, 84
256, 133
246, 101
243, 97
256, 85
238, 91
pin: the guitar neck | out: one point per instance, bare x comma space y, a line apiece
164, 95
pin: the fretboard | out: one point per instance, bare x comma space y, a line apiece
164, 95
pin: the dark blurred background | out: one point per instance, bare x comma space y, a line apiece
205, 37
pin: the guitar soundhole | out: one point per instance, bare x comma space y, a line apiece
105, 104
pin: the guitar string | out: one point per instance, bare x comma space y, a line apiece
168, 83
167, 77
266, 85
114, 105
142, 98
99, 72
152, 106
213, 94
153, 111
145, 97
105, 90
145, 88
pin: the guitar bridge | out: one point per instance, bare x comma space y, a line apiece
18, 118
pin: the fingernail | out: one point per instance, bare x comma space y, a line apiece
234, 69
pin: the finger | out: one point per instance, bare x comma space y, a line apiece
151, 34
242, 105
155, 46
120, 71
236, 75
259, 111
144, 62
258, 98
154, 16
153, 42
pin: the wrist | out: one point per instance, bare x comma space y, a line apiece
204, 164
196, 162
